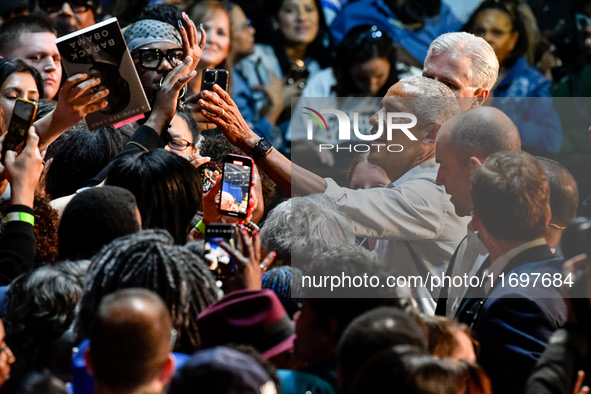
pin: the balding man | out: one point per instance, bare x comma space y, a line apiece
462, 145
413, 216
130, 344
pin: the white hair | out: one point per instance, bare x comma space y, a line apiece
301, 228
434, 103
484, 70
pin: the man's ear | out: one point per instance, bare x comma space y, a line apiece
168, 370
480, 96
88, 361
474, 163
549, 216
431, 134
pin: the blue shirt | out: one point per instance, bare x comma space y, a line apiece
524, 96
376, 12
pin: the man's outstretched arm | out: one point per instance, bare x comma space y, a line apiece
219, 108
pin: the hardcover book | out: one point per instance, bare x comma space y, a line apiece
100, 51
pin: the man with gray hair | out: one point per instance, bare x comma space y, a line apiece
466, 64
412, 216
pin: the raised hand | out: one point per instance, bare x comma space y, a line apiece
192, 46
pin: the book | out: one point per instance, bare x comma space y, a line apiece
100, 51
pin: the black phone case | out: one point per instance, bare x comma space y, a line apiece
221, 79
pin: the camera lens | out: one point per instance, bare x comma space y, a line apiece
210, 76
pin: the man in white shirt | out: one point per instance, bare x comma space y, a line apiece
462, 145
413, 215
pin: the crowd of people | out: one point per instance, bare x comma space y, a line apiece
106, 279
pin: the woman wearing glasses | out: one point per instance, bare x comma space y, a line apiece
504, 26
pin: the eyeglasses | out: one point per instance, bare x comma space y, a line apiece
151, 58
179, 144
78, 6
583, 21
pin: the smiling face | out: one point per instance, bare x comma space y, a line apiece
496, 28
371, 75
298, 21
39, 51
452, 69
17, 85
395, 100
242, 33
217, 46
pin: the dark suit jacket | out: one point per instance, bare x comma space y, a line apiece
514, 324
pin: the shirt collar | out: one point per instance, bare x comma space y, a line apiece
428, 166
500, 263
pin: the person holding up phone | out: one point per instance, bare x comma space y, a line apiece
215, 18
17, 242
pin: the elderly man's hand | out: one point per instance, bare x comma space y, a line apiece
192, 45
219, 108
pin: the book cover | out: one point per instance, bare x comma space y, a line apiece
100, 51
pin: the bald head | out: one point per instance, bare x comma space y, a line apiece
130, 339
463, 143
481, 132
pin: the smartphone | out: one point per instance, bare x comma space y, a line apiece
213, 76
213, 254
236, 184
209, 173
22, 119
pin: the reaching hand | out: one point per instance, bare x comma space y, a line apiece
249, 268
219, 108
23, 171
192, 46
166, 99
197, 160
192, 105
75, 103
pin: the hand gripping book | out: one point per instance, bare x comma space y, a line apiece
100, 51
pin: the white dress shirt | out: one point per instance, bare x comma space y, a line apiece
471, 254
411, 212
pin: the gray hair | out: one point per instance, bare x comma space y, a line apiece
301, 228
484, 70
435, 103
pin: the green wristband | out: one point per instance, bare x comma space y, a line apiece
201, 226
20, 217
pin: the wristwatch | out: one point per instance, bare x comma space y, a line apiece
261, 148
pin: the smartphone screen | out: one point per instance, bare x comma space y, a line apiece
212, 76
236, 183
209, 173
213, 254
22, 118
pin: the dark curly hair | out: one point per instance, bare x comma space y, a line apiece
217, 147
46, 224
40, 308
152, 261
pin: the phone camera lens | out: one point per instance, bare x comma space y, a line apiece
210, 77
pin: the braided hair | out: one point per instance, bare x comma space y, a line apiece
151, 260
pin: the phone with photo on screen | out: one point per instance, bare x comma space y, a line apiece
213, 254
22, 119
236, 184
209, 174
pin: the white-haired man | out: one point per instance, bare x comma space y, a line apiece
464, 63
413, 217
